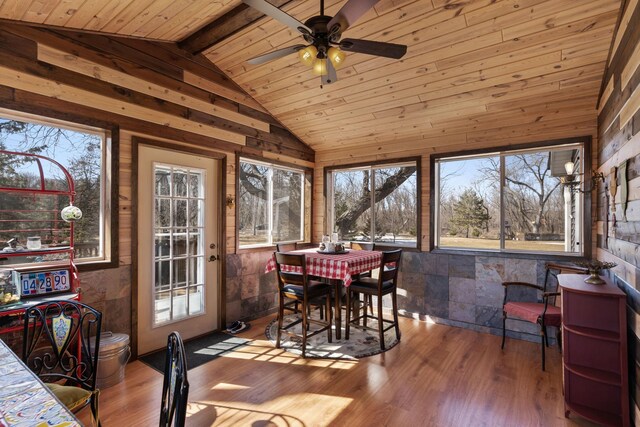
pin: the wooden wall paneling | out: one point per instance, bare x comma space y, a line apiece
630, 7
619, 140
121, 103
89, 68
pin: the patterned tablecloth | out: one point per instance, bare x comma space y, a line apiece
334, 266
24, 400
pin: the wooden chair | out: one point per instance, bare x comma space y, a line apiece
286, 247
543, 312
61, 343
385, 284
364, 246
298, 287
175, 389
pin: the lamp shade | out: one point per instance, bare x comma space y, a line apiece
336, 56
569, 167
320, 67
308, 55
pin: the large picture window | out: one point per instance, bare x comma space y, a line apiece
510, 201
82, 151
270, 204
375, 203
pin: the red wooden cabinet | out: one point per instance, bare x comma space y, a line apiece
594, 332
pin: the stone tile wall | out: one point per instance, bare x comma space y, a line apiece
459, 290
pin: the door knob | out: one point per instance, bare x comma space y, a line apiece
213, 258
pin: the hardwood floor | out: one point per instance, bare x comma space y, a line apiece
436, 376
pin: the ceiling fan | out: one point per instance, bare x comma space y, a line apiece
325, 49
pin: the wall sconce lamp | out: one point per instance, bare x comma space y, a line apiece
574, 184
229, 201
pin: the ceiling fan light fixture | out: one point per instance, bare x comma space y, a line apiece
308, 55
336, 56
320, 67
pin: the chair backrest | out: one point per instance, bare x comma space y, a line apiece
389, 265
286, 247
61, 342
363, 246
291, 277
175, 389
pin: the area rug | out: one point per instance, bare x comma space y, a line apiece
199, 350
361, 342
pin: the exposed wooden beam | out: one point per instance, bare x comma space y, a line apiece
228, 24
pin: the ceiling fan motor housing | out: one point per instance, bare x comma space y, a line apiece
320, 37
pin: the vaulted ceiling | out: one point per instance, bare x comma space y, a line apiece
475, 70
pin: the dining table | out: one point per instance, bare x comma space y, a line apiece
338, 267
24, 399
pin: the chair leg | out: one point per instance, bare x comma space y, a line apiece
328, 315
295, 307
546, 337
364, 311
370, 305
280, 318
380, 322
394, 302
305, 325
543, 340
347, 326
504, 332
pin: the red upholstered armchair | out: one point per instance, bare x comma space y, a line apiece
544, 312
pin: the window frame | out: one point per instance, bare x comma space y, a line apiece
109, 186
328, 194
506, 150
307, 189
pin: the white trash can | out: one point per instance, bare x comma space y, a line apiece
112, 359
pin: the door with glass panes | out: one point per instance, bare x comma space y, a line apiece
177, 246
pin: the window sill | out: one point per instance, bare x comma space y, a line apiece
504, 254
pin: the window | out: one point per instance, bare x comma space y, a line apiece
375, 203
271, 207
509, 201
82, 151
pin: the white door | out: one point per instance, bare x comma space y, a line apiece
177, 244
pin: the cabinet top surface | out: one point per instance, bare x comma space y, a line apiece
575, 282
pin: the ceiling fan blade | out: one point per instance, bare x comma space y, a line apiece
275, 54
349, 13
272, 11
331, 76
388, 50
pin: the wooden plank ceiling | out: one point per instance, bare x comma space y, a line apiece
476, 71
153, 19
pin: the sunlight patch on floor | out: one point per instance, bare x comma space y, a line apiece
288, 411
263, 351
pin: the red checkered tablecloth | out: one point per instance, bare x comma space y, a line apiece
334, 266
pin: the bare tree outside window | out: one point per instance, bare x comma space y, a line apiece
528, 212
81, 153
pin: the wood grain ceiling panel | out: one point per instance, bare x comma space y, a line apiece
170, 20
476, 68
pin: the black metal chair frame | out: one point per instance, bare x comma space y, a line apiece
389, 265
552, 270
72, 358
175, 388
309, 297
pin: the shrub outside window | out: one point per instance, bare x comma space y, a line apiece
270, 204
510, 201
375, 203
82, 151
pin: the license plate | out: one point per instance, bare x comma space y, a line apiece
44, 282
